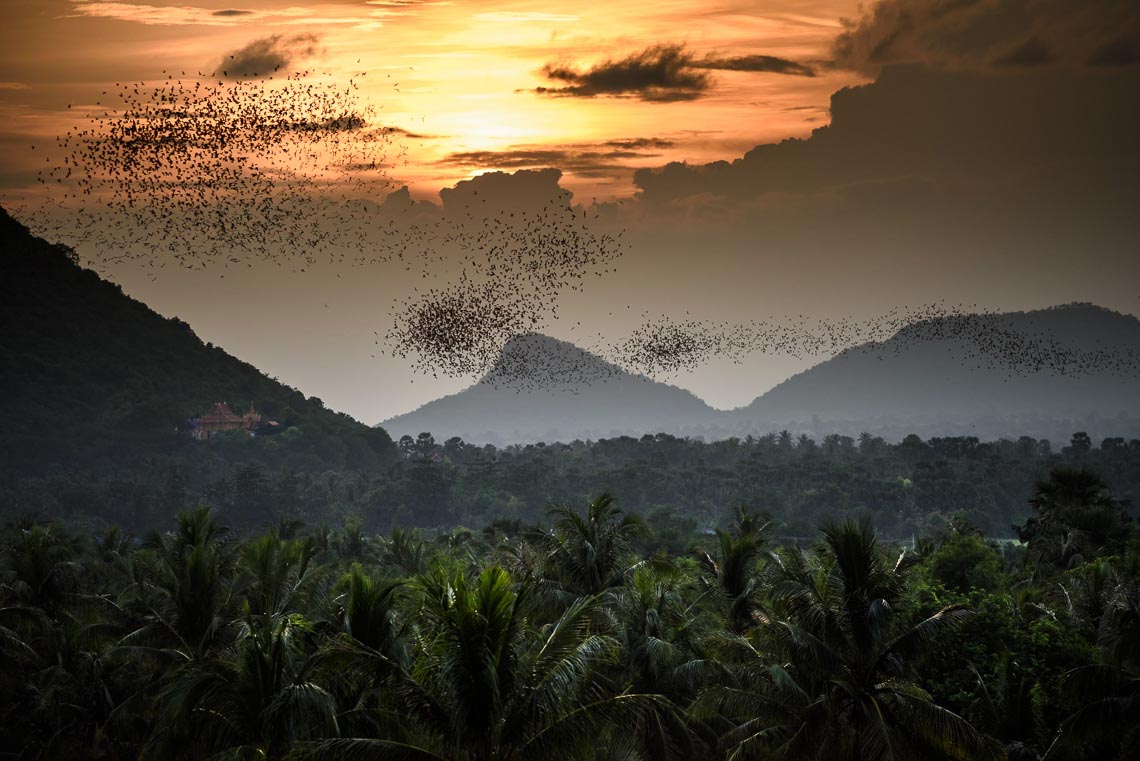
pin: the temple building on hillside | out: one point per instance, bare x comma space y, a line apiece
222, 418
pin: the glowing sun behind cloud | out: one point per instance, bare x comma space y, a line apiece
460, 77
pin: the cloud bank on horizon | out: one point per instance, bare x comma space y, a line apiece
983, 34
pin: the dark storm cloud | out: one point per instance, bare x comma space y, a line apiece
586, 165
982, 33
982, 182
268, 54
401, 132
662, 73
490, 195
400, 208
601, 160
1032, 52
946, 126
1119, 52
639, 143
756, 63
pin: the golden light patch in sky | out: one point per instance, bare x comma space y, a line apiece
461, 77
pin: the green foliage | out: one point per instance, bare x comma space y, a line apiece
736, 565
1076, 518
590, 552
966, 562
561, 642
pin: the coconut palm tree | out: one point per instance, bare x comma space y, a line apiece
366, 611
656, 629
407, 550
253, 700
590, 552
1076, 519
832, 675
278, 573
659, 636
368, 646
181, 591
39, 565
485, 686
58, 690
237, 673
735, 566
1107, 721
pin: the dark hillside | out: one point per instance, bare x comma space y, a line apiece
91, 375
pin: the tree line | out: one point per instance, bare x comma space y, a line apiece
579, 637
685, 486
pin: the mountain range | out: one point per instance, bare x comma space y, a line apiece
87, 371
1043, 373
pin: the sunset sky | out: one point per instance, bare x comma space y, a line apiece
462, 75
980, 152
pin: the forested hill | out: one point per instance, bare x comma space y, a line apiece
1069, 361
90, 375
543, 389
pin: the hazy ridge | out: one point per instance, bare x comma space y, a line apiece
925, 379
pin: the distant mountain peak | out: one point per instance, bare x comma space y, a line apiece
1079, 306
531, 340
1073, 359
536, 360
544, 388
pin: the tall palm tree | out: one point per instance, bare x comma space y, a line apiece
55, 695
408, 551
366, 610
590, 552
239, 687
39, 565
278, 573
181, 590
484, 686
1107, 721
367, 648
832, 674
735, 567
253, 700
1076, 517
659, 636
656, 629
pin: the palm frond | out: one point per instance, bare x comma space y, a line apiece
360, 749
937, 729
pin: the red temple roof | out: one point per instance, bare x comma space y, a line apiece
221, 414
